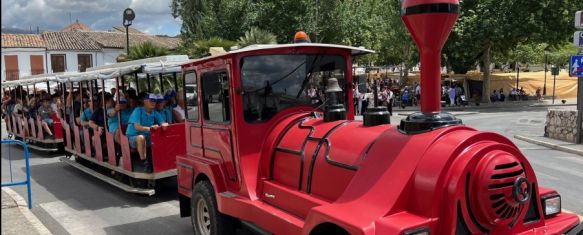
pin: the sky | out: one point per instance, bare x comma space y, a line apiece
152, 16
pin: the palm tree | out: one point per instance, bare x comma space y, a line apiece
257, 36
146, 50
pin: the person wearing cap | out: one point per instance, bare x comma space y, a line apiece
142, 121
164, 108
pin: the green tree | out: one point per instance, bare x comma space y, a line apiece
200, 48
256, 36
488, 27
146, 50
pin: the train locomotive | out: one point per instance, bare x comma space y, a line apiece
272, 145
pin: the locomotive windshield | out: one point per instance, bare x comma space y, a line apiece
272, 83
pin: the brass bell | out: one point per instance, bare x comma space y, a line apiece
333, 86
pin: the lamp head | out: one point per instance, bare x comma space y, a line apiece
128, 16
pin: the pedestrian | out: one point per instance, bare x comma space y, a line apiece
391, 97
452, 95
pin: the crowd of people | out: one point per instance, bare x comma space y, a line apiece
140, 113
386, 96
38, 105
513, 95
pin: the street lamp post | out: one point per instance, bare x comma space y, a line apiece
128, 17
546, 70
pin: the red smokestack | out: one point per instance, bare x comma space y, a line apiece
430, 22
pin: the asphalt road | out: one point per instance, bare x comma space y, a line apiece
68, 201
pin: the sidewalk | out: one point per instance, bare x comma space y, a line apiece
17, 219
553, 144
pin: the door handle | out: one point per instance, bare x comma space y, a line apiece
268, 195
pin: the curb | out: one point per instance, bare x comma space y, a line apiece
549, 145
23, 207
458, 114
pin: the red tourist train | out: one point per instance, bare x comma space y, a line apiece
272, 144
104, 156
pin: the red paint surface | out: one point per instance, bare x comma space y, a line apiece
166, 145
430, 31
402, 182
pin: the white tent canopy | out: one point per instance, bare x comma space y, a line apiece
163, 64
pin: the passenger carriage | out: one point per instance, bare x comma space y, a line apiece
117, 163
31, 130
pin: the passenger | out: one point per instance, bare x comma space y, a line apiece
163, 109
141, 97
141, 122
112, 120
87, 113
97, 121
17, 112
45, 113
85, 117
178, 110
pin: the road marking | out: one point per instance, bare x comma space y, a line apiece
77, 221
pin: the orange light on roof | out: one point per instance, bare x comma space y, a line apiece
301, 36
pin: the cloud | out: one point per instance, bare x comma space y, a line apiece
152, 16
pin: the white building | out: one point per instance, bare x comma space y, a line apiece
74, 49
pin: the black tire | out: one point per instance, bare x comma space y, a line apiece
220, 224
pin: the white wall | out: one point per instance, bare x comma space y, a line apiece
110, 55
106, 56
23, 59
71, 59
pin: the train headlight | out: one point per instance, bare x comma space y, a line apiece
551, 204
417, 231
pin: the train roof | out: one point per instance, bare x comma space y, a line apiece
355, 51
154, 65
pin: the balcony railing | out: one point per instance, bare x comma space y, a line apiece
12, 75
16, 74
37, 71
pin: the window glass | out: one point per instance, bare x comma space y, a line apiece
272, 83
191, 95
215, 91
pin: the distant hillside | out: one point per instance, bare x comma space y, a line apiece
19, 31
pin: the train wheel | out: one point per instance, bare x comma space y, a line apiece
205, 218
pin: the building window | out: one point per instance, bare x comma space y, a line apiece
36, 65
58, 63
215, 93
191, 93
84, 61
11, 62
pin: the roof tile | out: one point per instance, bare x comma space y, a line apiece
69, 41
22, 41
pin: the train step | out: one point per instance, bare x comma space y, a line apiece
109, 180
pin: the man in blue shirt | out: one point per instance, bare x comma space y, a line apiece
141, 122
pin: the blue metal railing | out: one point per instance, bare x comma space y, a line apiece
27, 159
